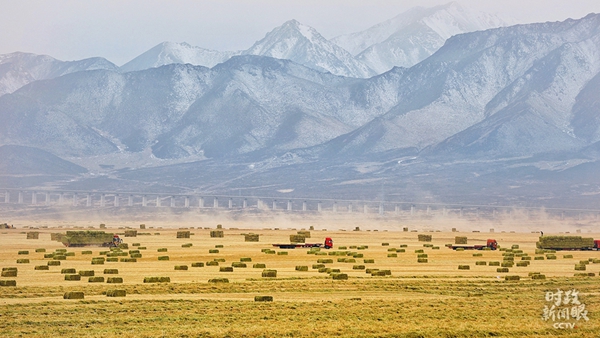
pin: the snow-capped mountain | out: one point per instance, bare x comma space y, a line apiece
514, 91
412, 36
171, 52
18, 69
304, 45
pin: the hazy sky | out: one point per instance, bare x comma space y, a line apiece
120, 30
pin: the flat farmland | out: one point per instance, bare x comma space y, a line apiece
371, 284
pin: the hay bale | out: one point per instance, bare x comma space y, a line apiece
251, 237
217, 233
157, 279
112, 259
8, 283
114, 280
392, 255
325, 260
507, 264
9, 272
212, 251
525, 258
53, 263
238, 265
539, 258
73, 295
111, 271
304, 233
481, 263
245, 259
163, 258
368, 261
86, 273
301, 267
212, 263
128, 260
33, 235
282, 253
40, 250
422, 260
218, 280
580, 267
130, 233
339, 276
42, 267
72, 277
181, 267
97, 279
523, 263
68, 271
478, 254
538, 276
197, 265
460, 240
564, 242
297, 239
225, 269
23, 261
424, 238
116, 293
183, 234
269, 273
263, 298
186, 245
512, 278
161, 250
464, 267
378, 273
97, 261
502, 270
87, 252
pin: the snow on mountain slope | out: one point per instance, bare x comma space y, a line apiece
18, 69
531, 72
304, 45
412, 36
171, 52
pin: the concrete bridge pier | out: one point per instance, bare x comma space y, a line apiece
201, 202
289, 205
47, 200
116, 202
102, 200
396, 209
319, 209
215, 202
144, 201
172, 201
412, 210
230, 203
34, 198
274, 204
461, 212
428, 210
75, 199
334, 206
365, 209
186, 203
303, 205
158, 200
245, 203
380, 208
88, 202
61, 198
6, 196
130, 200
350, 207
20, 200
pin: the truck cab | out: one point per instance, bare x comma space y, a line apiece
492, 244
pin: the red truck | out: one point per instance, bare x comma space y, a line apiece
491, 243
327, 245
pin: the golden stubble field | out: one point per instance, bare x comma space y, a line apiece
433, 299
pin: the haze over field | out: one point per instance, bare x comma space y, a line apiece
449, 103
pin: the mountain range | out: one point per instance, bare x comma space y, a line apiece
505, 114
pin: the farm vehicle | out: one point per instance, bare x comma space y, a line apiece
327, 245
491, 243
90, 238
573, 243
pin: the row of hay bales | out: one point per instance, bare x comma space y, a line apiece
81, 238
564, 242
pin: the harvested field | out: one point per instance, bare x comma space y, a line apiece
359, 288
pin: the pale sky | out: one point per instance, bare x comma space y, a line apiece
120, 30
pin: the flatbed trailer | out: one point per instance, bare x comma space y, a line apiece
491, 243
298, 245
327, 245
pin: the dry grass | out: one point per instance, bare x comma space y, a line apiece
398, 296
